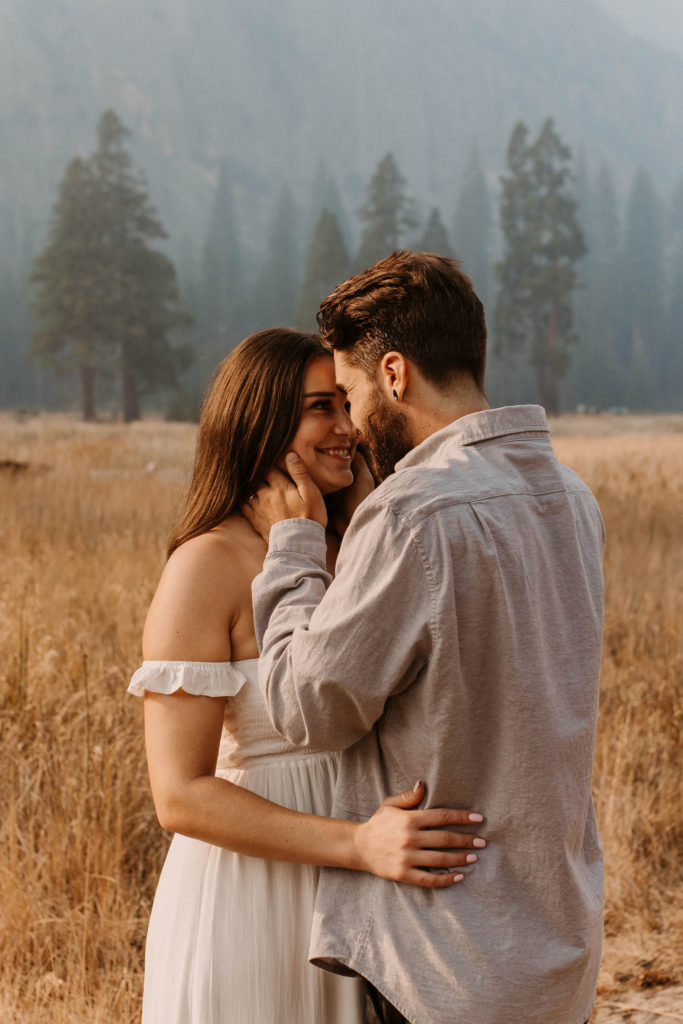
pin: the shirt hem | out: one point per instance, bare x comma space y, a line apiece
340, 965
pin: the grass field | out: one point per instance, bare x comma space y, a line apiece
85, 512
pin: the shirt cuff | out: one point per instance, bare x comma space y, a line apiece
299, 536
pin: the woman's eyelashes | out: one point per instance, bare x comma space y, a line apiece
329, 405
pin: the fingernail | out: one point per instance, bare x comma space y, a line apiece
292, 457
417, 785
479, 843
476, 817
458, 878
471, 857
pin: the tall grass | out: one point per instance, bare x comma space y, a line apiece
84, 526
638, 782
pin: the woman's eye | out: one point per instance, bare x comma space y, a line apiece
323, 403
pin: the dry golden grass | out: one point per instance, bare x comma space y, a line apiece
84, 525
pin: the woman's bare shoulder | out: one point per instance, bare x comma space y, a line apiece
198, 598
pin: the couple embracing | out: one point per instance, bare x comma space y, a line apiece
370, 710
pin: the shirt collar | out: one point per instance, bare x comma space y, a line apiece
480, 426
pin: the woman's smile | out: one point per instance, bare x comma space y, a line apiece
337, 453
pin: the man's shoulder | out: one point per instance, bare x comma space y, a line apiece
415, 492
465, 475
572, 480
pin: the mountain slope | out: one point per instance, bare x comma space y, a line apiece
271, 86
659, 21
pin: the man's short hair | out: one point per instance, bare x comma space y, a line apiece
416, 303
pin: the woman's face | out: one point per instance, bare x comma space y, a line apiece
325, 438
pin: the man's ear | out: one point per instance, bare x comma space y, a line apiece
394, 372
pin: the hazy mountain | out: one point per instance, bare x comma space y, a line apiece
273, 85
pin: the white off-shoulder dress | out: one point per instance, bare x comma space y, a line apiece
228, 935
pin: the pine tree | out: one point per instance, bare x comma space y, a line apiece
642, 333
67, 279
21, 382
435, 237
387, 214
101, 291
325, 193
472, 227
327, 265
140, 308
278, 283
672, 394
543, 244
598, 375
672, 369
676, 214
223, 316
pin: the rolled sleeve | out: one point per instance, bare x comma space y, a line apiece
333, 652
299, 536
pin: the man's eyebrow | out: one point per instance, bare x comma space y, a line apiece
342, 387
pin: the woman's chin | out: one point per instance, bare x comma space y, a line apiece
329, 486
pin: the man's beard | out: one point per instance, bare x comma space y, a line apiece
383, 435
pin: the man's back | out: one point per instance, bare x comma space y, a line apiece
492, 627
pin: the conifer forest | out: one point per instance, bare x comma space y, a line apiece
583, 287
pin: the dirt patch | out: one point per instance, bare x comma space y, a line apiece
639, 1005
12, 467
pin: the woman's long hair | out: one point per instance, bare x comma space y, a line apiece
249, 415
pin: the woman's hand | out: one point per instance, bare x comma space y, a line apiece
404, 844
344, 503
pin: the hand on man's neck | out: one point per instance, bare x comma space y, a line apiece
428, 408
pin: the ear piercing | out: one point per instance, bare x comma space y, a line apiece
395, 394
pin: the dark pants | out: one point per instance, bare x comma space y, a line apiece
378, 1010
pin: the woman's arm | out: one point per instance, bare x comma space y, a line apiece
182, 734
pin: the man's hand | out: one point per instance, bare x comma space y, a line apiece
285, 497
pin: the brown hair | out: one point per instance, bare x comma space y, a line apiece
416, 303
249, 415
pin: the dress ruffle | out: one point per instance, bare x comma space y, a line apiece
200, 678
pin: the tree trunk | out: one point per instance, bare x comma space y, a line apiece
539, 374
546, 386
130, 399
552, 403
88, 393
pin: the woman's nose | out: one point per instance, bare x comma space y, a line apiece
344, 424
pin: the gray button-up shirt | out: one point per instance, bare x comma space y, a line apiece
460, 644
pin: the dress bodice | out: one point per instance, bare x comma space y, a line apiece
248, 735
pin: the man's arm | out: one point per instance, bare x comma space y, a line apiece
333, 652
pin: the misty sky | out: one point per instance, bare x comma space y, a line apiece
659, 21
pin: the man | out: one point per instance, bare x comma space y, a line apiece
459, 643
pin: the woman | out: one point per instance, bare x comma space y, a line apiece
228, 935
